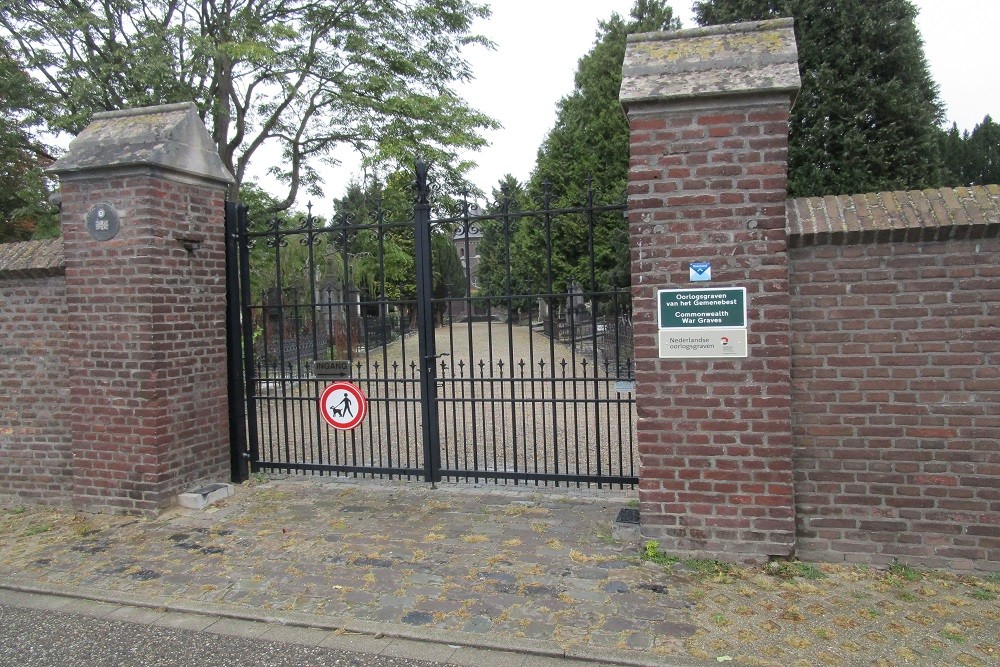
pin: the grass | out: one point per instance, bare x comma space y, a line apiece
652, 553
898, 573
37, 529
703, 567
785, 569
710, 568
953, 632
984, 595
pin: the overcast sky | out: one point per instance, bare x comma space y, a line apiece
539, 42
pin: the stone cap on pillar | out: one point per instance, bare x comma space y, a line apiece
717, 61
170, 137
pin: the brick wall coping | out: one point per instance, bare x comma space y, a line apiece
727, 60
32, 259
169, 136
945, 213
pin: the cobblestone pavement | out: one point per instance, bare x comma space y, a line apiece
542, 572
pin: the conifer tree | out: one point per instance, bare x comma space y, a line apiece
982, 153
588, 148
867, 116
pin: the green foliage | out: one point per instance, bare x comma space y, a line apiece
24, 190
713, 569
509, 198
786, 569
702, 567
588, 148
37, 529
381, 259
277, 266
867, 116
651, 552
295, 76
984, 595
899, 573
448, 272
584, 158
972, 158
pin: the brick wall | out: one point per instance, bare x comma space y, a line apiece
708, 111
147, 348
35, 454
896, 377
714, 435
114, 374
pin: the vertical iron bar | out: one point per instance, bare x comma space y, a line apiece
425, 326
470, 311
249, 377
592, 225
234, 360
553, 326
385, 458
507, 234
313, 305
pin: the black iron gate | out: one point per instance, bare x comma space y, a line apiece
492, 345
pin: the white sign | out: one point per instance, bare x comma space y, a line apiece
343, 405
700, 272
703, 343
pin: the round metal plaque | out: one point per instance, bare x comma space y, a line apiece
103, 222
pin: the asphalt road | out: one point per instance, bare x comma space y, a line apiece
34, 638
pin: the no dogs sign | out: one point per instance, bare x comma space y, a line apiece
343, 405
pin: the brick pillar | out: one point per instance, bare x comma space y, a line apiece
708, 111
142, 220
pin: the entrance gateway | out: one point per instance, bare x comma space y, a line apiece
478, 362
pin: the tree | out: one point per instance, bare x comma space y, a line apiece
303, 76
24, 209
954, 158
377, 219
867, 116
972, 158
983, 154
499, 230
590, 139
448, 277
584, 155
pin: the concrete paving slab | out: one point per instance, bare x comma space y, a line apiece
354, 642
295, 635
142, 615
184, 621
237, 628
416, 650
89, 608
473, 657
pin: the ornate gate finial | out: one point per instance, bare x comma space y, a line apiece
420, 186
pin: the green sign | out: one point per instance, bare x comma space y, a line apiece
702, 308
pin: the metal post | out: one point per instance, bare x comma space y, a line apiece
234, 356
425, 326
246, 320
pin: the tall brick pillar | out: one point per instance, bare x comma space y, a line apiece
142, 220
708, 111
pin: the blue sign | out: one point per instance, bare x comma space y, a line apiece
701, 272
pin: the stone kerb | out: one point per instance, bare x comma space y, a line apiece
708, 114
142, 219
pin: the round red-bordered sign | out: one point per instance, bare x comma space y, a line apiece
343, 405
